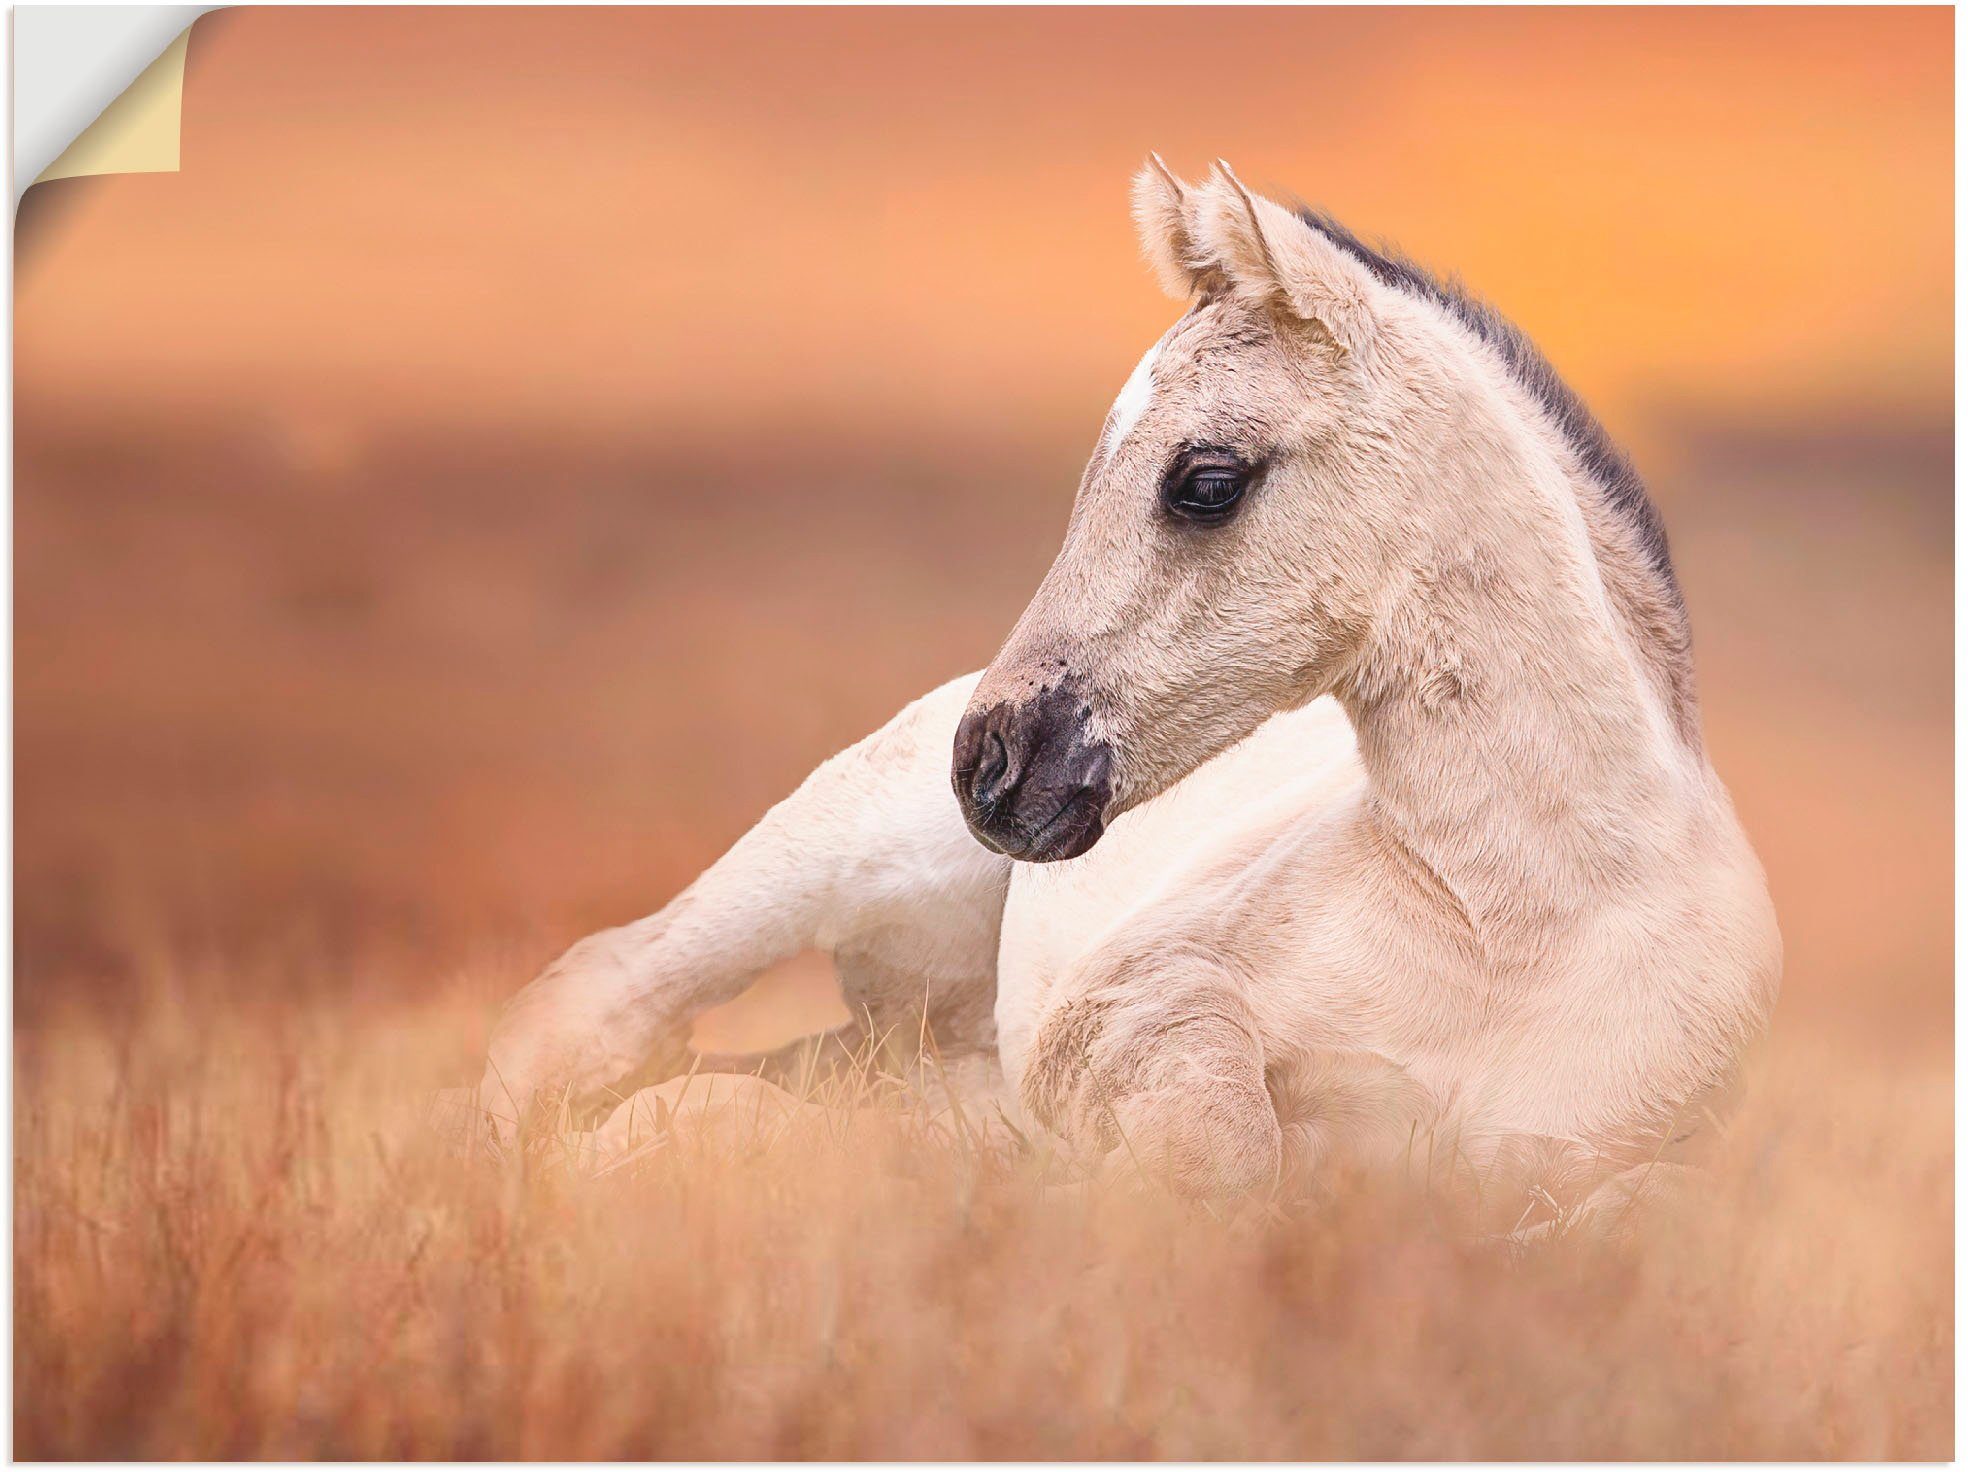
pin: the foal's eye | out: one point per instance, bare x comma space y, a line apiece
1205, 490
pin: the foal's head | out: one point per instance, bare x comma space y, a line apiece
1221, 557
1263, 486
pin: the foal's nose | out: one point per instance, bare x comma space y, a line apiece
1031, 782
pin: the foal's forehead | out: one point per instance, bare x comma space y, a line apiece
1218, 327
1222, 353
1216, 348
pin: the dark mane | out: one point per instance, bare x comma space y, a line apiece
1604, 461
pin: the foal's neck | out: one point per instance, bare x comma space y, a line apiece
1517, 749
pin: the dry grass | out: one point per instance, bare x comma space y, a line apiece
235, 1237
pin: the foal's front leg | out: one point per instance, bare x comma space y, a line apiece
1150, 1049
870, 852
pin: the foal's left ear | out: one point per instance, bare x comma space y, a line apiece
1161, 216
1266, 252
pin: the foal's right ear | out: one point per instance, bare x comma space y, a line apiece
1161, 210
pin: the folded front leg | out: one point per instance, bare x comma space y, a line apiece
1152, 1050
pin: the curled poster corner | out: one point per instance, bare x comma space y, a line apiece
98, 89
138, 132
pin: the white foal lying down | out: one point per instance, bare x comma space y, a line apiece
1349, 751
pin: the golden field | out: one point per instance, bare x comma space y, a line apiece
410, 579
236, 1240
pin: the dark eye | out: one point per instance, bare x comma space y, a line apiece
1205, 490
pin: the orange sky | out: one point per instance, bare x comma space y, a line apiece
759, 218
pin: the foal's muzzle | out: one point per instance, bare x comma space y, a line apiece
1030, 782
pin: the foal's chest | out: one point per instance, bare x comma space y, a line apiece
1218, 824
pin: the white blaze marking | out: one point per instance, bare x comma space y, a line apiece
1136, 394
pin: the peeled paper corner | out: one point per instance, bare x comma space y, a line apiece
138, 132
98, 89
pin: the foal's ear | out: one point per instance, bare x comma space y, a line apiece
1161, 217
1266, 252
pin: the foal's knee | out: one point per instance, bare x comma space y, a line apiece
1172, 1078
1215, 1138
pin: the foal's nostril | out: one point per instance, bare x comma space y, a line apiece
991, 768
982, 769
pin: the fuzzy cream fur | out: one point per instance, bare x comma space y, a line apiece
1411, 829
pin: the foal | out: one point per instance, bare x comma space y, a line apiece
1343, 778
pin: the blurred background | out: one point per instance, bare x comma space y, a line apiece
520, 444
